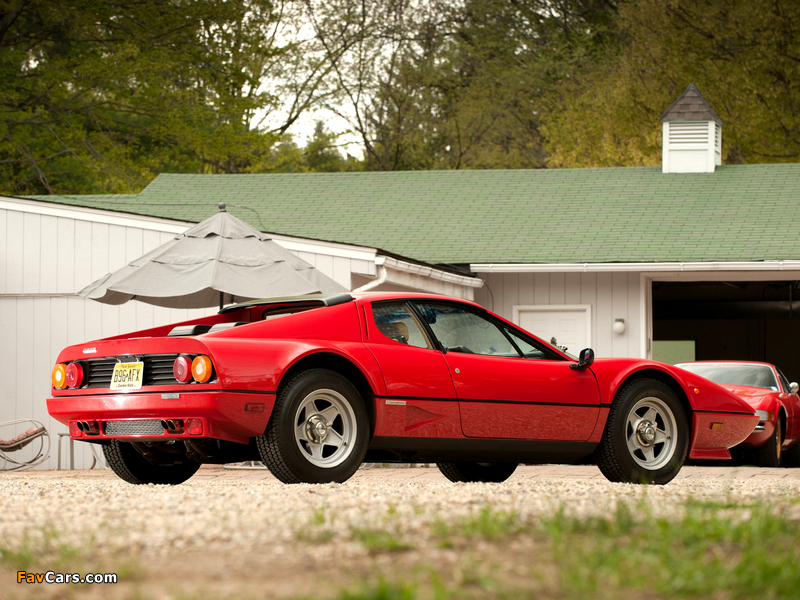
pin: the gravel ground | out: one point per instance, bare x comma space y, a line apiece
215, 522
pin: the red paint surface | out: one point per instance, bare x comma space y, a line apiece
438, 402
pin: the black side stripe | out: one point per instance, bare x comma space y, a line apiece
724, 412
474, 400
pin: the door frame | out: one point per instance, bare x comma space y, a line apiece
518, 309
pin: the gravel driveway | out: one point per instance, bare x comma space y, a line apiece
243, 532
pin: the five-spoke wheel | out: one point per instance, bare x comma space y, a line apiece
646, 436
318, 430
325, 428
650, 433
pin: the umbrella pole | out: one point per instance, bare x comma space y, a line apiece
220, 300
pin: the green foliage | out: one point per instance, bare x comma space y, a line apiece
99, 97
741, 55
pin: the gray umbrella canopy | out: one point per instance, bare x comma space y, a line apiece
221, 255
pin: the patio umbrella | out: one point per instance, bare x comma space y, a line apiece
220, 256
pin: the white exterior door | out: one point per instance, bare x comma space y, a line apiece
569, 325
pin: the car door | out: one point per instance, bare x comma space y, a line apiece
508, 384
791, 402
421, 400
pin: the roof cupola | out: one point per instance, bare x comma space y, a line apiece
692, 135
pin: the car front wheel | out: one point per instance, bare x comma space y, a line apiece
477, 471
647, 435
134, 468
318, 431
769, 454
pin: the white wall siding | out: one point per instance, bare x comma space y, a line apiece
44, 261
612, 295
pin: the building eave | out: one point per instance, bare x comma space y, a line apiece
673, 267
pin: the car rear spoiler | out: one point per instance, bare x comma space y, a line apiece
310, 300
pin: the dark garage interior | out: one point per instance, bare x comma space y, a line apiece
736, 320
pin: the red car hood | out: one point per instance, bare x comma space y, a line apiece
754, 396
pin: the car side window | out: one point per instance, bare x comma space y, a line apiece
528, 349
397, 323
784, 383
462, 330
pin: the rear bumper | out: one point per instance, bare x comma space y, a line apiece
712, 441
231, 416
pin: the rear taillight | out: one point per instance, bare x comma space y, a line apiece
202, 368
194, 426
74, 375
59, 377
182, 369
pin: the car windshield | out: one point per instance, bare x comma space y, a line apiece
760, 376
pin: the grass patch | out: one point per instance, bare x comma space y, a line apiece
740, 552
487, 523
378, 539
41, 548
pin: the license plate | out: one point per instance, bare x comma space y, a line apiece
127, 376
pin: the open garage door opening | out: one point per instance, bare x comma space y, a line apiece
728, 320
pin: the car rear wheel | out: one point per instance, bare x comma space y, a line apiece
134, 468
769, 454
646, 436
318, 431
477, 471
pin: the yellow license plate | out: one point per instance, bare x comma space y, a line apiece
127, 376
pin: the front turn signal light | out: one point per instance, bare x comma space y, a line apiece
202, 368
59, 376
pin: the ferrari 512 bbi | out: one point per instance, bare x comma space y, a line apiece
313, 386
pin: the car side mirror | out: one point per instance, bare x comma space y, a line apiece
585, 360
793, 387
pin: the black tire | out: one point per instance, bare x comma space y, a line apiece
790, 457
299, 407
477, 471
134, 468
769, 454
627, 454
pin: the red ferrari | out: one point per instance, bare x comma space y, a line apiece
315, 385
776, 438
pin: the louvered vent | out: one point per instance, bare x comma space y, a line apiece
717, 138
694, 132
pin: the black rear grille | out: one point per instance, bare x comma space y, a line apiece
98, 372
157, 370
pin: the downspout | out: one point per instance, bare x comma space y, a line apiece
383, 275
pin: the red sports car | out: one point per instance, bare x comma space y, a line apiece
763, 386
315, 385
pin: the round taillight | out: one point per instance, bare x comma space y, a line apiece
74, 375
202, 368
182, 369
59, 377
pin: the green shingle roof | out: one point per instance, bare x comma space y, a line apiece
629, 214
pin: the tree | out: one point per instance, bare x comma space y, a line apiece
98, 97
454, 83
743, 56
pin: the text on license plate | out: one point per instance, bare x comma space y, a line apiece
127, 376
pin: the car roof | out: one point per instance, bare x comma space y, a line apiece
334, 299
